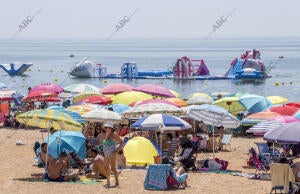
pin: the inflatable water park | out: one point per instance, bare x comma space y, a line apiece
14, 69
249, 67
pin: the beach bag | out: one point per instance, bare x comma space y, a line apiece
223, 163
172, 183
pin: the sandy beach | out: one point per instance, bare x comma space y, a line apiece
18, 171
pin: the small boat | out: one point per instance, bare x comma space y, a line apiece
14, 69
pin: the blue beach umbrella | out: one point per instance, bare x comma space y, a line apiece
254, 103
66, 141
119, 108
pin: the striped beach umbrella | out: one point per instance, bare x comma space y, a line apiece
80, 88
44, 118
264, 127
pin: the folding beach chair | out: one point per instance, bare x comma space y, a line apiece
266, 153
260, 166
282, 178
226, 141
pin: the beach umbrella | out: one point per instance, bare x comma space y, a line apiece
294, 104
102, 115
215, 95
287, 134
163, 101
2, 85
84, 108
285, 119
212, 115
96, 100
199, 99
162, 122
80, 88
259, 117
277, 99
284, 110
264, 127
6, 94
201, 94
66, 141
50, 87
239, 94
232, 104
78, 97
177, 101
116, 88
118, 108
77, 117
153, 108
154, 89
129, 97
52, 99
44, 118
38, 96
254, 103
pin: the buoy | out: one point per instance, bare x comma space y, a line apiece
55, 79
282, 83
161, 82
105, 81
291, 83
276, 84
51, 70
62, 71
71, 55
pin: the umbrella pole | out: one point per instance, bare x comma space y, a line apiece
213, 141
46, 166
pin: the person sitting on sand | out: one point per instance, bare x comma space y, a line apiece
57, 169
98, 164
44, 155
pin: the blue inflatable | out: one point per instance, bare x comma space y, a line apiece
12, 70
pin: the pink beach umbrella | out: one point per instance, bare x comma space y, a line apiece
50, 87
155, 89
116, 88
285, 119
152, 101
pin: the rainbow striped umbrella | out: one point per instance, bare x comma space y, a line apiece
44, 118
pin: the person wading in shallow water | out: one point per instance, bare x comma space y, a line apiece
110, 152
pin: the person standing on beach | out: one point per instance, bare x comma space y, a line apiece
110, 152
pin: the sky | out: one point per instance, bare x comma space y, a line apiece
90, 19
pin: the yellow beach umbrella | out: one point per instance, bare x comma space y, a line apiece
129, 97
201, 94
277, 99
231, 104
45, 118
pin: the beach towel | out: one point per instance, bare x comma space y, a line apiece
281, 175
157, 174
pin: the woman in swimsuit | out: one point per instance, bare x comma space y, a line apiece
110, 151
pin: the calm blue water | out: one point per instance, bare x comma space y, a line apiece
53, 55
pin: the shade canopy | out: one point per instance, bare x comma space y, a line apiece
288, 133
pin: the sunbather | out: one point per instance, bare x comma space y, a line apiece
57, 169
98, 165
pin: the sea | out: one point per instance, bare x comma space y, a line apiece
53, 59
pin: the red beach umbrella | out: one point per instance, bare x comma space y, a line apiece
155, 89
294, 104
284, 110
96, 100
38, 96
116, 88
50, 87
